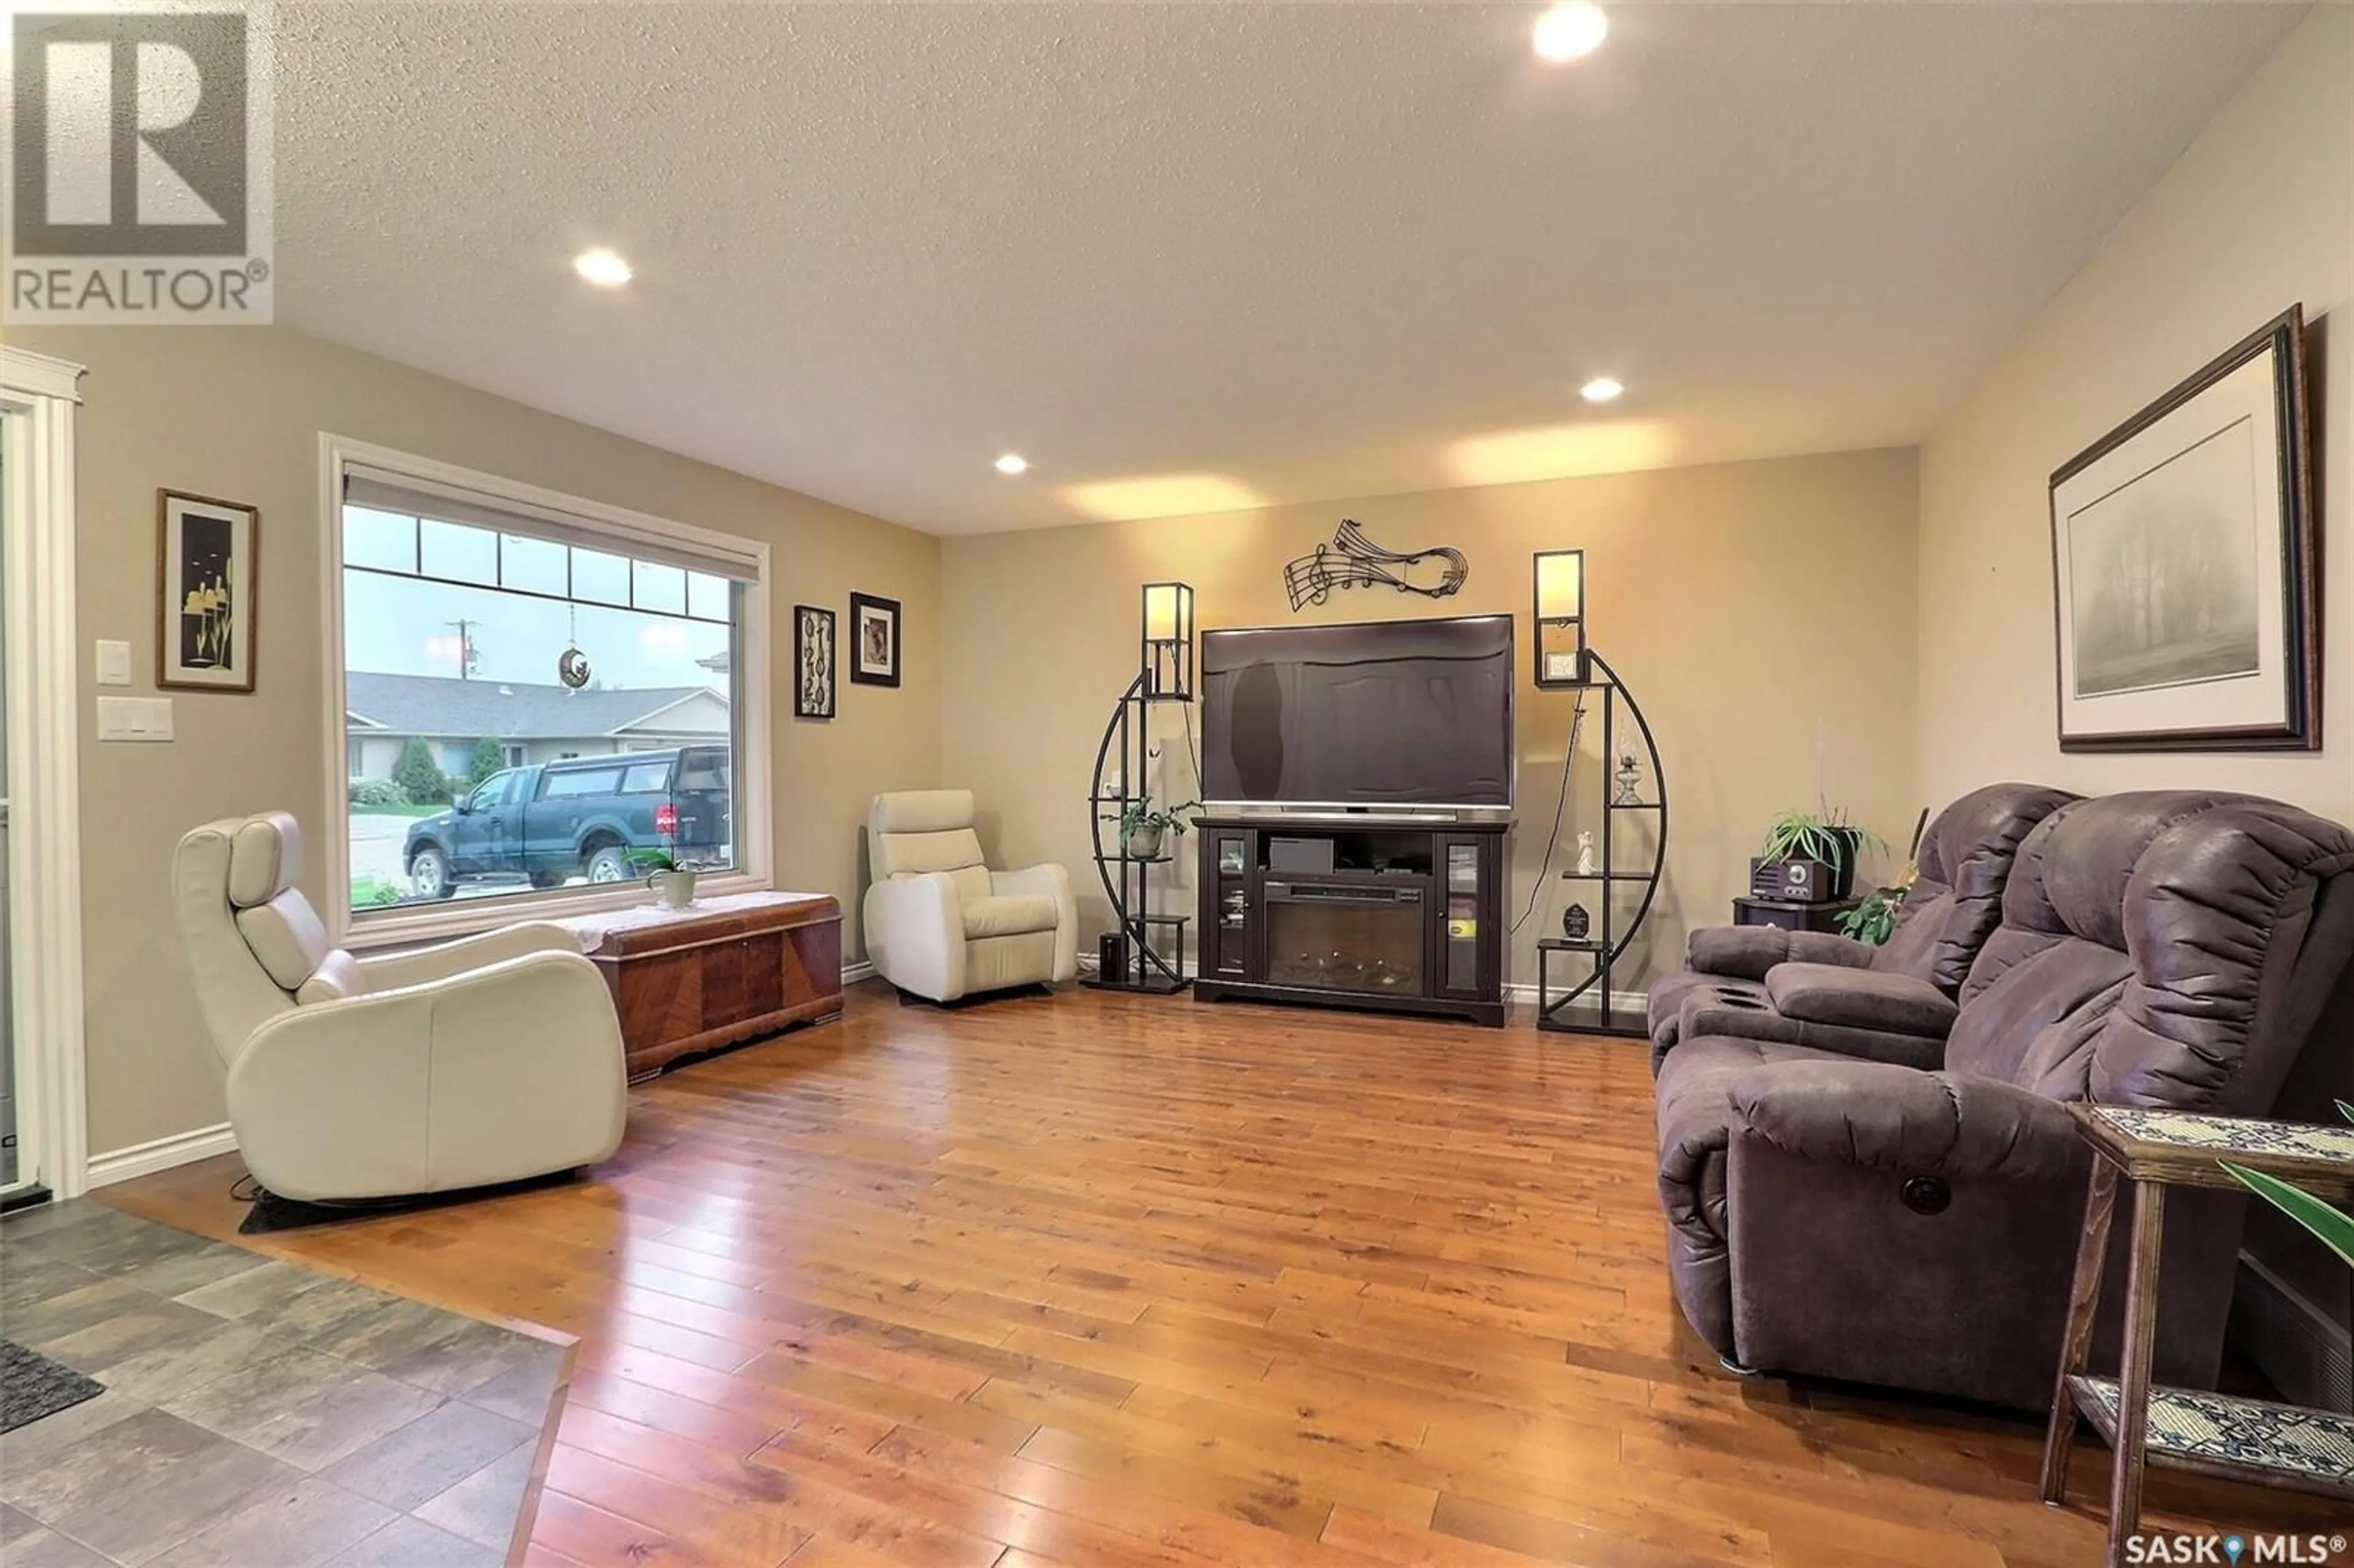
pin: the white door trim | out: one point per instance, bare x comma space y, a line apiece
38, 395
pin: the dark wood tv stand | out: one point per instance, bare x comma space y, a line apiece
1394, 914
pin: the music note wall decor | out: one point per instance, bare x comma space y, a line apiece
1352, 561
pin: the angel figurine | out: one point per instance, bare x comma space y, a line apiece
1586, 851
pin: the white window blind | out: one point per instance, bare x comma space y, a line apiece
381, 491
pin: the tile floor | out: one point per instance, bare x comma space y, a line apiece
256, 1414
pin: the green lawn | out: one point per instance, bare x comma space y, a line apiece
399, 810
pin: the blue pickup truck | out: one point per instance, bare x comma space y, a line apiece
582, 818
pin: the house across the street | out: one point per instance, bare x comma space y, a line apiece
535, 724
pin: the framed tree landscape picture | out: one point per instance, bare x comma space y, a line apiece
813, 673
874, 640
207, 556
2187, 600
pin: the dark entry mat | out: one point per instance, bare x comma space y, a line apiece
32, 1386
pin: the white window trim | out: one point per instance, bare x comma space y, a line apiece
39, 396
753, 871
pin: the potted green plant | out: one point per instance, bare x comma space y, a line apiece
1855, 839
1800, 851
1143, 829
672, 884
1825, 839
1874, 918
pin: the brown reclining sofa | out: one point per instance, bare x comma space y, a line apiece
1873, 1221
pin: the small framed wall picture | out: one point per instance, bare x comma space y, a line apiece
208, 552
874, 640
813, 668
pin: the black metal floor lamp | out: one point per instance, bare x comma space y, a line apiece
1583, 1003
1164, 675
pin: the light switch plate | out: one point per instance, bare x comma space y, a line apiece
134, 718
114, 662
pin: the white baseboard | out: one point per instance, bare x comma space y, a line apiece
1630, 1002
861, 970
160, 1154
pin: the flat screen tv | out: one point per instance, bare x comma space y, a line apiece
1373, 714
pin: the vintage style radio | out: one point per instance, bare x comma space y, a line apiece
1799, 881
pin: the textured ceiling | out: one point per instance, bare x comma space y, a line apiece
1196, 257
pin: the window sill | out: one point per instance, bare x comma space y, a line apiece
471, 916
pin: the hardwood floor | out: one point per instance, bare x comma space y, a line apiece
1149, 1284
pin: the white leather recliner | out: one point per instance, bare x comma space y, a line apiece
940, 924
482, 1061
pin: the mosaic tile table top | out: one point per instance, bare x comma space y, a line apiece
2180, 1148
258, 1414
2230, 1135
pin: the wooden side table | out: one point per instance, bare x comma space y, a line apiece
718, 973
2211, 1434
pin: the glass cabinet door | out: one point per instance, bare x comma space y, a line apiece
1462, 872
1226, 949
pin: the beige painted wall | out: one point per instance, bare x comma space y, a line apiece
1742, 603
2259, 212
235, 413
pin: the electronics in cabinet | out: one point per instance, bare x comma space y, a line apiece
1294, 856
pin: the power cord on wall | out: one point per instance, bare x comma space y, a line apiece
1568, 765
1193, 751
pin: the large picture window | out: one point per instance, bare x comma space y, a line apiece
535, 704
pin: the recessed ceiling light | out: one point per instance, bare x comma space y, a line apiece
1012, 463
602, 267
1601, 389
1571, 31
